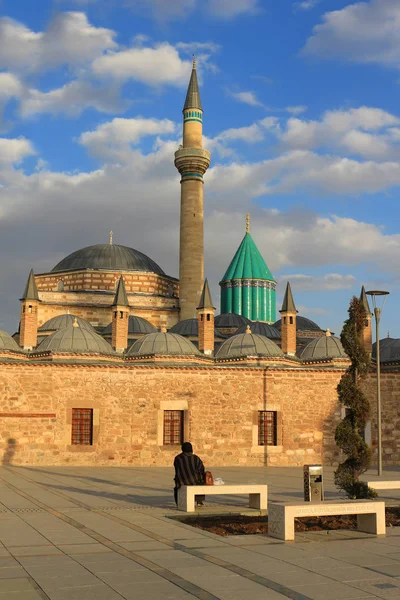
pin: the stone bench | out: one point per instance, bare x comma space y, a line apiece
281, 515
384, 485
258, 494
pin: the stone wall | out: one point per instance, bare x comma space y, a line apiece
220, 404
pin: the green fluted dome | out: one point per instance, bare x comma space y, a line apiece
248, 288
248, 263
327, 346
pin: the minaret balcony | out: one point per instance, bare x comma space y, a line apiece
192, 161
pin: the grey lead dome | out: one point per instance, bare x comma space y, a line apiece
324, 347
111, 257
248, 344
164, 344
76, 340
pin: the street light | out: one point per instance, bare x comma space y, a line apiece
378, 297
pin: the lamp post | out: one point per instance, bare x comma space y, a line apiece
378, 297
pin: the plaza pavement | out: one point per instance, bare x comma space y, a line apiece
103, 533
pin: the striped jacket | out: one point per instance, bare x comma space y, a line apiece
189, 469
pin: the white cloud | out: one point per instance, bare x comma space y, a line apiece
163, 10
228, 9
366, 132
10, 86
326, 283
307, 4
363, 32
248, 97
69, 40
153, 66
71, 99
15, 150
296, 110
114, 140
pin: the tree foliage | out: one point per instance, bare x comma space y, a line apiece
351, 396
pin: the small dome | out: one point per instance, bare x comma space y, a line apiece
136, 326
230, 320
163, 344
248, 344
75, 339
62, 321
302, 324
110, 257
327, 346
188, 327
389, 350
8, 343
262, 328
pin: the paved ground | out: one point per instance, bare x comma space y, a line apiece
79, 533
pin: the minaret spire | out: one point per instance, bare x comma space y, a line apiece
192, 161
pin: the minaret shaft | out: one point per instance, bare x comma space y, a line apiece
192, 161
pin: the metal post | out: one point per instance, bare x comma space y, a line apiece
377, 312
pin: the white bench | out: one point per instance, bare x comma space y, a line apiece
384, 485
281, 515
258, 494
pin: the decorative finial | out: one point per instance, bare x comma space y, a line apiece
388, 334
194, 61
163, 329
247, 222
328, 333
248, 329
111, 236
75, 323
67, 311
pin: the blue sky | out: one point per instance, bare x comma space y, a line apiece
301, 118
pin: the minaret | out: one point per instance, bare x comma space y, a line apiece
367, 331
192, 162
120, 318
205, 319
288, 323
29, 314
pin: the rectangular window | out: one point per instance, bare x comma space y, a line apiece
173, 427
267, 428
82, 426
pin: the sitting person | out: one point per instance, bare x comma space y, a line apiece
189, 470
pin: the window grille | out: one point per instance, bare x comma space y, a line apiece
82, 426
267, 434
173, 427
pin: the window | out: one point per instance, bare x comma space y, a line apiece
267, 428
173, 427
82, 426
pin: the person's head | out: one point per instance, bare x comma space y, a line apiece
187, 447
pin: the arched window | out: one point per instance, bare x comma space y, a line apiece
60, 286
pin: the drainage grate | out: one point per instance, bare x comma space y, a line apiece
27, 510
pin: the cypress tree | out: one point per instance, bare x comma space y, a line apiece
348, 433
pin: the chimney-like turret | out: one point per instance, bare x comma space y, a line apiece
120, 318
288, 323
367, 331
205, 320
29, 314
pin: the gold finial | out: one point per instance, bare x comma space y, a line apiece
194, 61
328, 333
111, 236
247, 222
163, 329
75, 323
248, 329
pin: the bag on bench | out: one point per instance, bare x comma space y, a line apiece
208, 478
